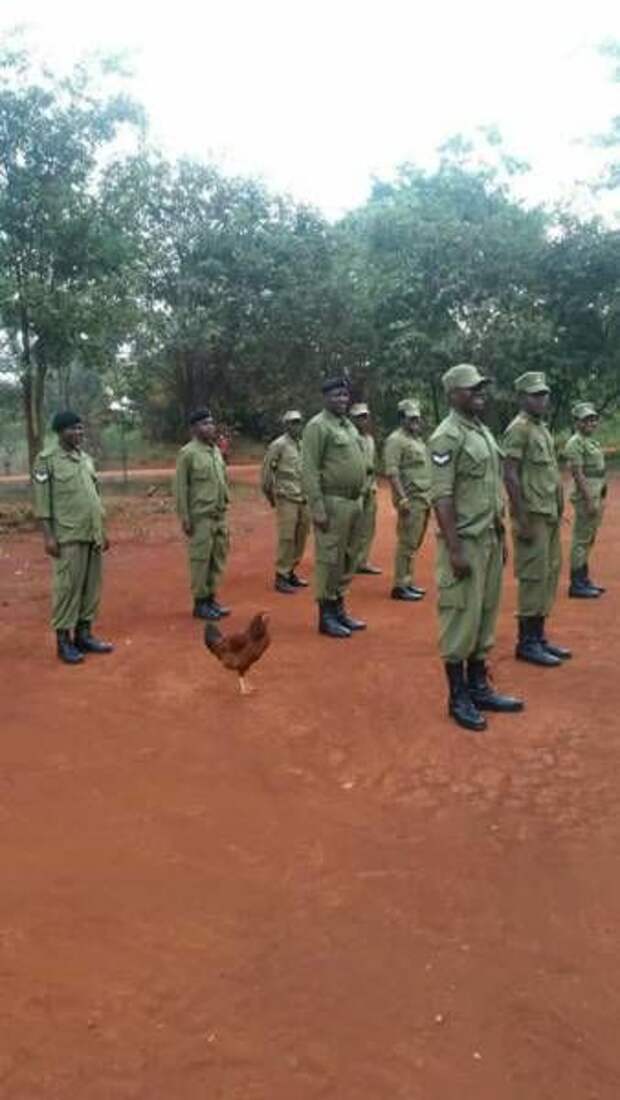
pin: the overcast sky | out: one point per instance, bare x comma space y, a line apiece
317, 97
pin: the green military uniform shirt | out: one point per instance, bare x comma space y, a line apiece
530, 442
407, 457
465, 465
201, 486
66, 494
281, 474
586, 454
333, 462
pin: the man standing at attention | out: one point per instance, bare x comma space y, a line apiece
202, 498
586, 462
333, 477
407, 467
467, 498
281, 484
360, 415
536, 503
68, 504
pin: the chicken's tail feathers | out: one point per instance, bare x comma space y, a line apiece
213, 636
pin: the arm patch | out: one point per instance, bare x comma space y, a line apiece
441, 458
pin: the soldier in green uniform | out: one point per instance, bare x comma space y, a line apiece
202, 498
408, 469
586, 461
360, 415
68, 504
467, 498
281, 484
333, 477
536, 503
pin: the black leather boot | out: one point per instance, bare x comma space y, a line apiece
329, 623
283, 585
347, 620
419, 592
400, 592
222, 612
297, 582
201, 610
87, 643
599, 588
530, 648
67, 651
579, 588
556, 650
482, 693
460, 705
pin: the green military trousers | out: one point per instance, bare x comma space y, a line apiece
208, 551
585, 530
368, 526
410, 531
468, 608
293, 526
537, 566
336, 551
76, 585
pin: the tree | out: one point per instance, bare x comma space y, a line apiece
239, 294
63, 257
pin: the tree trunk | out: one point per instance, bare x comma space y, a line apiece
33, 386
33, 390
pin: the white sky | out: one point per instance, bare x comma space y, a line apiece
317, 97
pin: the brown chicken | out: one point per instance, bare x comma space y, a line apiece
239, 652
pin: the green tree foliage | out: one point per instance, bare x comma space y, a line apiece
238, 294
135, 283
63, 258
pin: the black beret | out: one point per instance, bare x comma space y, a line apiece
335, 384
200, 414
65, 419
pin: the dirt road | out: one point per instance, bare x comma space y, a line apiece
322, 892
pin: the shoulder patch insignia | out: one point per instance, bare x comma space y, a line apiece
41, 475
441, 458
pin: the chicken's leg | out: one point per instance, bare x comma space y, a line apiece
244, 687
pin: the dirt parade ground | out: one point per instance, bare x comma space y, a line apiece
325, 890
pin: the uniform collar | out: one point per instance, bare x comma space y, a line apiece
466, 421
75, 456
533, 419
334, 416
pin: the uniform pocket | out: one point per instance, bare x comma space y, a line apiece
472, 463
451, 591
452, 595
65, 482
539, 454
529, 560
327, 548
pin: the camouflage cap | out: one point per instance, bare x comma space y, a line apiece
583, 409
291, 415
463, 377
359, 409
533, 381
409, 407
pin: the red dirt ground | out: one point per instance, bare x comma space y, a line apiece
325, 891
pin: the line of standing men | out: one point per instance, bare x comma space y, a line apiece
327, 478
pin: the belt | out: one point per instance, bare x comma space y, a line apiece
595, 476
343, 496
